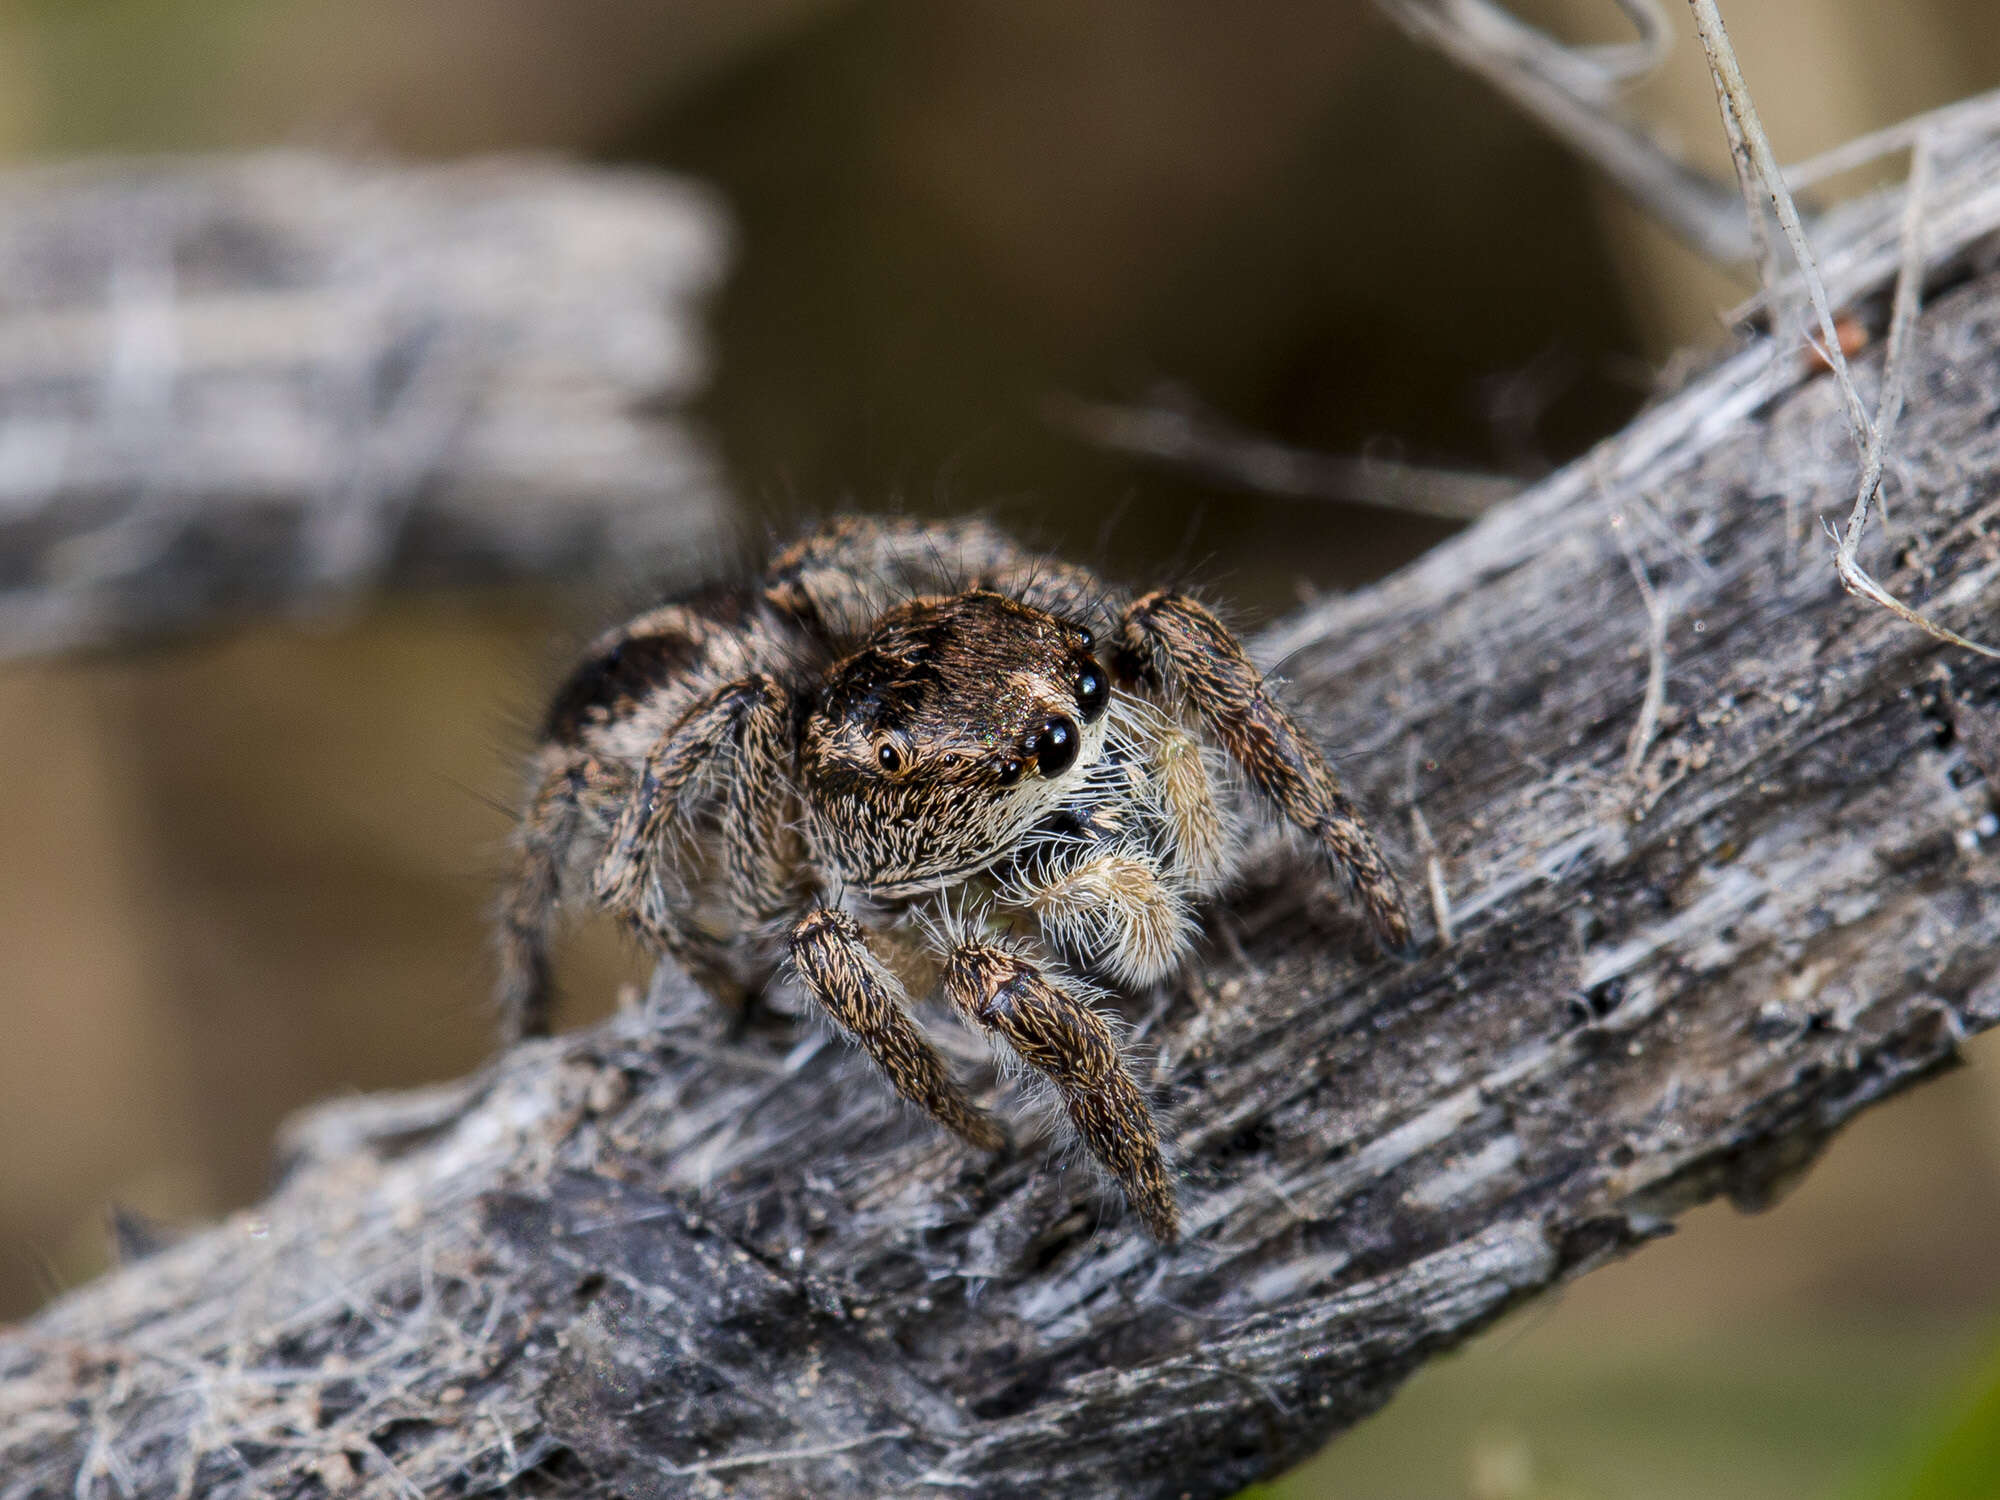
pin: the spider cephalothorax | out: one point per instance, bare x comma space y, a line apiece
901, 725
933, 749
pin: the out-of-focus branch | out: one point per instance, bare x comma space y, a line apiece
243, 384
1573, 93
1191, 442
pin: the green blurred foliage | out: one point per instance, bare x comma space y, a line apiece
1959, 1457
1778, 1412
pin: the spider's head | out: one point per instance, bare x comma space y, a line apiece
957, 725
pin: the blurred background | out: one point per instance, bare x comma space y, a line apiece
249, 870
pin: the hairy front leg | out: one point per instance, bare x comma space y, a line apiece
867, 1002
1066, 1041
1192, 656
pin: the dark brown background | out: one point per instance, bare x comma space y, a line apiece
250, 871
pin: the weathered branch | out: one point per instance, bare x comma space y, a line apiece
254, 383
1697, 928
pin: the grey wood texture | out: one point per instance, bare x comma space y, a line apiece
243, 383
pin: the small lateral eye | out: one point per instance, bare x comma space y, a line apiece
1010, 771
1093, 690
1089, 640
889, 758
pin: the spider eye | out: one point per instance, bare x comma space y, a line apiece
1056, 746
1092, 690
1089, 640
889, 758
1010, 771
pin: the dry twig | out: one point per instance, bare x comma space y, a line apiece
1871, 438
1648, 722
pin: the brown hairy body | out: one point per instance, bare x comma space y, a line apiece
924, 726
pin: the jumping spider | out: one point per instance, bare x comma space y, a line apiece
922, 732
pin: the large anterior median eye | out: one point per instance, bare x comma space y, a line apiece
889, 758
1055, 746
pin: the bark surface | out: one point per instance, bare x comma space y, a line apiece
239, 384
1687, 942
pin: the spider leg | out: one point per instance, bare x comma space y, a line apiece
1115, 910
866, 1001
735, 731
527, 911
1069, 1043
674, 769
1192, 655
763, 851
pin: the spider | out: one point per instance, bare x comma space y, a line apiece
914, 758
